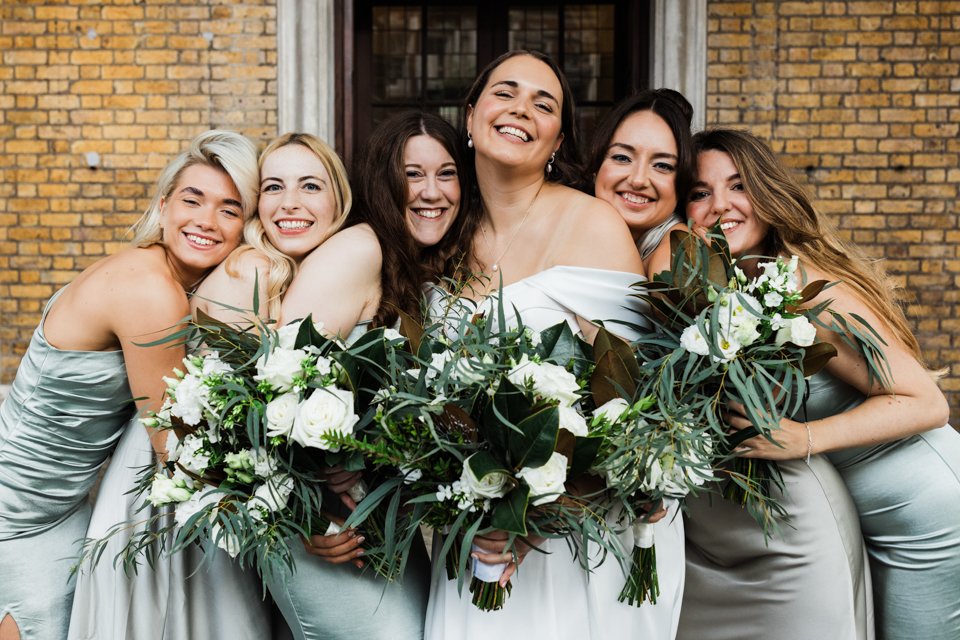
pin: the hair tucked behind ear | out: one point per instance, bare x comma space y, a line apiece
798, 228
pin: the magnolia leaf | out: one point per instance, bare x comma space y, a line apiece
308, 335
482, 464
454, 420
606, 341
558, 344
510, 513
411, 330
536, 440
816, 356
565, 443
611, 379
499, 417
812, 290
585, 452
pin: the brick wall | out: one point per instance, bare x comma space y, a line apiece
131, 82
863, 100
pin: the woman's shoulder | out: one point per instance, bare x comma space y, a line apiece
355, 245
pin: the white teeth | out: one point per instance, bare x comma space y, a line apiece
293, 224
199, 240
429, 213
513, 131
635, 199
724, 226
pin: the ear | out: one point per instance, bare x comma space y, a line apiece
469, 117
559, 142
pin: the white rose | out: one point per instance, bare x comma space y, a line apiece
492, 485
611, 410
279, 367
280, 413
747, 330
213, 364
164, 490
572, 421
287, 335
273, 494
190, 398
797, 330
327, 410
548, 380
693, 341
546, 482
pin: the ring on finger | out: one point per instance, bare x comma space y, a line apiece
514, 557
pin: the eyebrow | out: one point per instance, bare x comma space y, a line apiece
630, 148
197, 192
513, 84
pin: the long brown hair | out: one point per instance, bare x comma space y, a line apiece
382, 192
798, 228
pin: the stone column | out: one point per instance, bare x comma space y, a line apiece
305, 67
679, 56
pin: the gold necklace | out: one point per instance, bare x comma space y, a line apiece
495, 267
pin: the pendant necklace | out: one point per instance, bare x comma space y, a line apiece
495, 267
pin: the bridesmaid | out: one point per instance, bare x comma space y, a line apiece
404, 231
642, 163
890, 445
559, 255
304, 199
76, 385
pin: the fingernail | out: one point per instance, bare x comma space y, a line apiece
360, 540
352, 533
359, 552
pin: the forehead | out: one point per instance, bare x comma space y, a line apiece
527, 71
423, 149
645, 128
715, 163
211, 180
293, 158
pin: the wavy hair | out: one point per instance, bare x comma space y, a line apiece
282, 267
798, 228
382, 194
674, 109
227, 151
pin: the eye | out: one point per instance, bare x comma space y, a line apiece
270, 188
545, 107
231, 213
665, 167
413, 174
312, 187
193, 202
699, 194
503, 93
737, 186
620, 158
448, 174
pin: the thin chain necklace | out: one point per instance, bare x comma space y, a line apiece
495, 267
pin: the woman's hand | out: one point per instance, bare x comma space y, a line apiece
337, 549
340, 482
655, 512
493, 550
791, 438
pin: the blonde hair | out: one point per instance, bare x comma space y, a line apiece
798, 228
283, 267
227, 151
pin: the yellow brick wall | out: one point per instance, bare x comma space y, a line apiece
131, 81
863, 100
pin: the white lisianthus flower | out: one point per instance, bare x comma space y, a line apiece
772, 300
190, 454
213, 364
572, 421
273, 494
264, 464
164, 490
492, 485
280, 413
729, 348
197, 502
392, 334
324, 365
327, 411
797, 330
546, 482
409, 473
693, 341
172, 445
190, 399
548, 380
611, 410
279, 367
227, 541
777, 321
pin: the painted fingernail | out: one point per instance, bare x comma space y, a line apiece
360, 540
352, 533
359, 552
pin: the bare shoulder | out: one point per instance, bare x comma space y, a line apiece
357, 247
594, 235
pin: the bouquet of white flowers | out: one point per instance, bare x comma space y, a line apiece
488, 434
724, 337
253, 421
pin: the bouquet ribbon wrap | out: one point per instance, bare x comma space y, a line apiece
487, 572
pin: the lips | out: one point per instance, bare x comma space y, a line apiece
292, 226
513, 132
429, 214
636, 198
729, 224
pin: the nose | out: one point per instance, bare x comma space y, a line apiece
430, 190
639, 177
206, 217
289, 201
720, 203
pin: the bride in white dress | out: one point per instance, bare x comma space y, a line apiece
562, 256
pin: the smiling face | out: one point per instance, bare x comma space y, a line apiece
639, 172
517, 117
201, 221
433, 189
718, 195
297, 205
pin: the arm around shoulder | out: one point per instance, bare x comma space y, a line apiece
598, 238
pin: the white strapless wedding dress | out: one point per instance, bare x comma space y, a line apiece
553, 598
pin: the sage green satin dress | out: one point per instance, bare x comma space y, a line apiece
63, 417
322, 601
907, 493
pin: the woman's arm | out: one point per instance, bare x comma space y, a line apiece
338, 283
231, 286
911, 405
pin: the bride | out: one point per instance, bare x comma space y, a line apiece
560, 255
